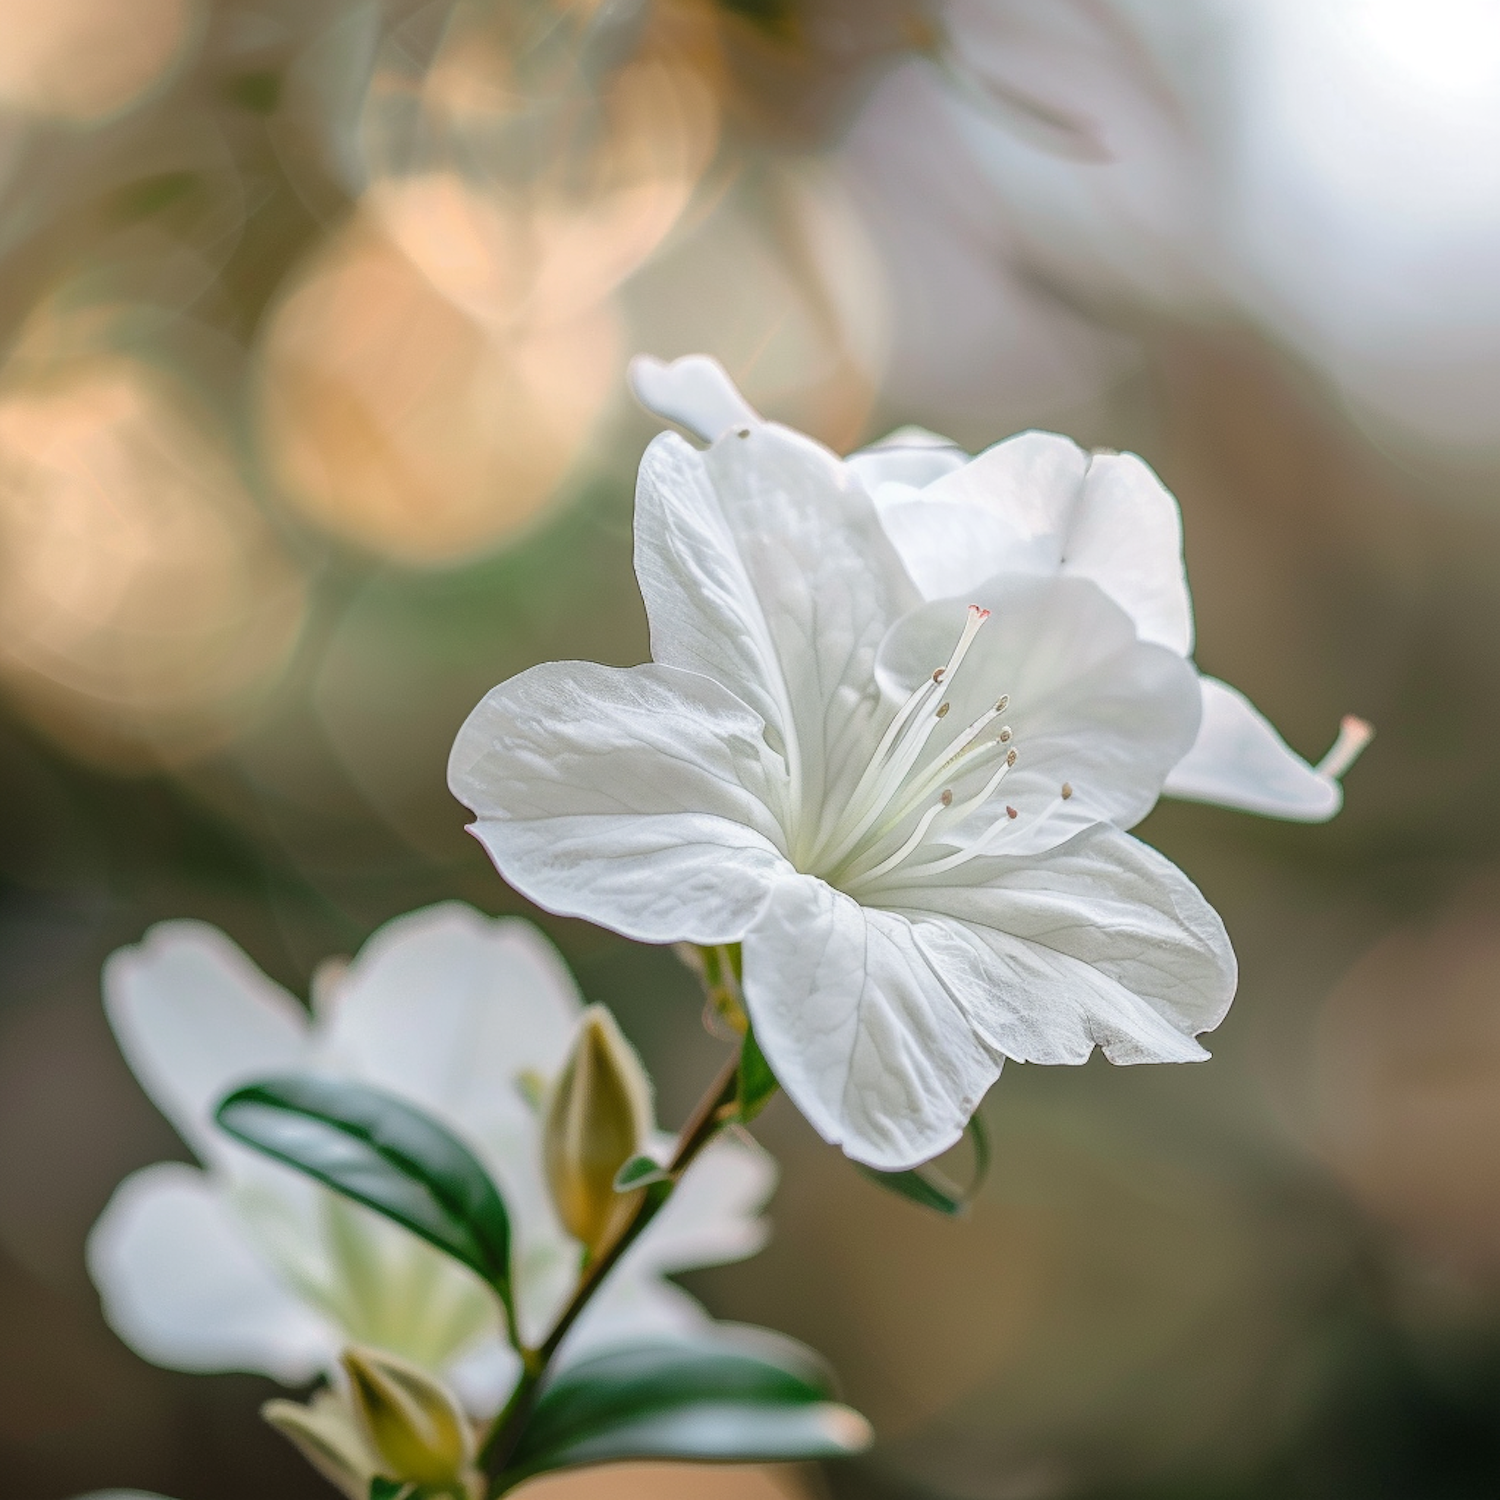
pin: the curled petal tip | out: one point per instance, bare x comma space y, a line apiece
695, 392
1354, 734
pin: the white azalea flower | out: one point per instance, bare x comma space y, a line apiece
247, 1265
1038, 504
909, 813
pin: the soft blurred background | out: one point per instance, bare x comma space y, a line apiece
312, 427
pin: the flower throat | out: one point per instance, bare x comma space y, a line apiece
874, 835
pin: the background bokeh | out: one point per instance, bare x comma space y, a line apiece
312, 427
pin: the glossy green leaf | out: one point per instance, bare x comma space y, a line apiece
639, 1172
763, 1401
924, 1185
382, 1488
757, 1083
382, 1152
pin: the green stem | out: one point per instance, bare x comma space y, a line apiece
712, 1111
719, 968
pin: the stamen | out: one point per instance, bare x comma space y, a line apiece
1067, 790
987, 791
980, 846
900, 746
1354, 735
914, 838
912, 705
887, 792
968, 744
1011, 813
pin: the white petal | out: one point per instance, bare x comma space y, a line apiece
904, 462
484, 1376
764, 567
694, 392
951, 548
193, 1017
182, 1286
713, 1216
635, 798
1090, 706
1238, 760
860, 1026
447, 1007
1126, 534
1100, 943
1004, 511
1037, 503
1032, 484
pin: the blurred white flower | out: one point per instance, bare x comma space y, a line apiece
910, 813
1038, 505
1325, 172
246, 1265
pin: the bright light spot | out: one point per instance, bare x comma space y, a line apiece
82, 60
1445, 49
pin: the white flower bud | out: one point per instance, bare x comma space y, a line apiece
598, 1117
329, 1437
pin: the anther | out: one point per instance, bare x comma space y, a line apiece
947, 798
743, 432
1010, 760
942, 710
1005, 735
1067, 790
938, 675
1010, 812
1000, 707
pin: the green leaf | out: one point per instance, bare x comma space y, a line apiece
915, 1186
382, 1488
757, 1083
763, 1400
382, 1152
923, 1185
639, 1172
979, 1139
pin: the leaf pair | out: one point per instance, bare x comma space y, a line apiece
752, 1398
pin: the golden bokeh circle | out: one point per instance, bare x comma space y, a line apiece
84, 60
145, 604
391, 417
